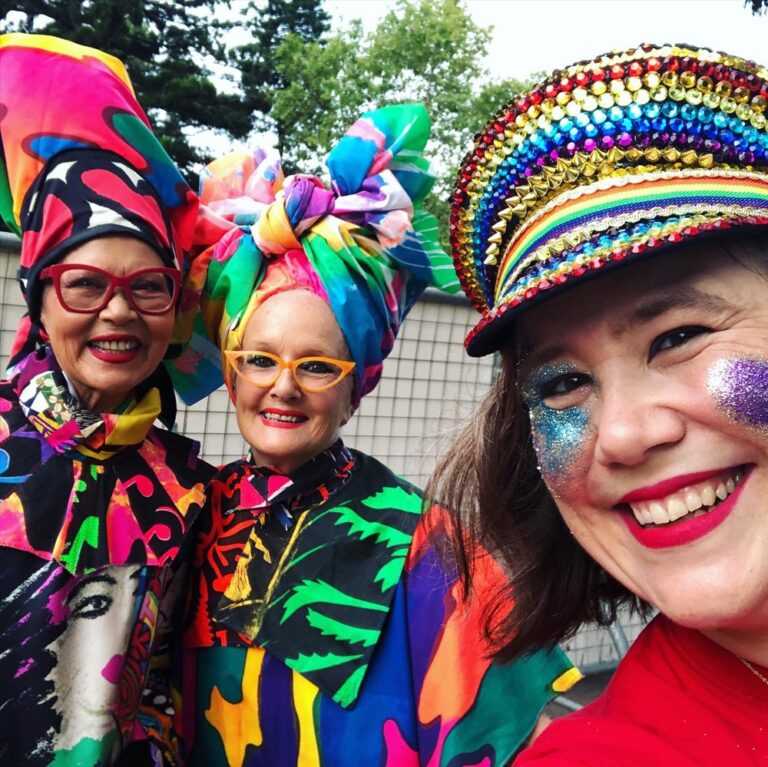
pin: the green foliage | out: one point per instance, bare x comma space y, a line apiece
269, 25
316, 662
347, 693
389, 573
170, 49
395, 497
367, 528
296, 80
422, 50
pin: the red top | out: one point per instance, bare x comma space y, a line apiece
676, 699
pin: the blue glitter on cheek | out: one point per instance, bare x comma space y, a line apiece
558, 438
558, 434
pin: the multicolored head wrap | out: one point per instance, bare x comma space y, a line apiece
364, 244
79, 161
604, 161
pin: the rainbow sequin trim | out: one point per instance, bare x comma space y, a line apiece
604, 160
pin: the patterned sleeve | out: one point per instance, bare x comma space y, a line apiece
470, 709
157, 712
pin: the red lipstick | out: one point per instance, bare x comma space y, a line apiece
282, 424
668, 486
687, 529
115, 357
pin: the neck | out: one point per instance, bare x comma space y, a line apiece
749, 646
96, 401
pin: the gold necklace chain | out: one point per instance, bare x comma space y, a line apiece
754, 670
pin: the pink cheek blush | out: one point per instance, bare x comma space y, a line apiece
739, 386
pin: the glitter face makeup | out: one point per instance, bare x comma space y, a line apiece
558, 434
651, 426
740, 388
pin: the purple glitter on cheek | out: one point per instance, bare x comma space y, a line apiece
740, 388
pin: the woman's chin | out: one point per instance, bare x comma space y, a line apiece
103, 390
713, 610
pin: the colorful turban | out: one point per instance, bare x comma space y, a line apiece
364, 244
79, 160
603, 162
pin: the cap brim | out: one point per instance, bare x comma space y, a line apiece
495, 329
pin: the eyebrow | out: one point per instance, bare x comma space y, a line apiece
87, 581
676, 297
316, 353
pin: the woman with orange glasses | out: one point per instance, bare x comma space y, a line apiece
323, 627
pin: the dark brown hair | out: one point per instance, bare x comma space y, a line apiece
490, 474
491, 482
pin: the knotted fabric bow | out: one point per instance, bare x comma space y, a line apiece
363, 243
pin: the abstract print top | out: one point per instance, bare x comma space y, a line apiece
326, 627
93, 511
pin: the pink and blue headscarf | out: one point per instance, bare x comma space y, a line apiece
363, 243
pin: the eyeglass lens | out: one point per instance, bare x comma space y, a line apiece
85, 289
311, 373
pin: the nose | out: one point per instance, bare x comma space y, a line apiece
285, 387
634, 421
118, 308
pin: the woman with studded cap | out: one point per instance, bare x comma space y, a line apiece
610, 226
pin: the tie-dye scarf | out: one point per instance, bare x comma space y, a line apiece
365, 244
68, 426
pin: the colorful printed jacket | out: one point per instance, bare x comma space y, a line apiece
331, 631
87, 552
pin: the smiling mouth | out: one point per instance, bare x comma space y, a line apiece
282, 418
115, 346
694, 501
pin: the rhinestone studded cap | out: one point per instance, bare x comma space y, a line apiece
604, 161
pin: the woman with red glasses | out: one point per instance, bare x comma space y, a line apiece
613, 234
324, 627
95, 499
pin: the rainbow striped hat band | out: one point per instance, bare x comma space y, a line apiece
604, 161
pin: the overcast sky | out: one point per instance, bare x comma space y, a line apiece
532, 35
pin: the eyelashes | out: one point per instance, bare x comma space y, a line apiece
551, 381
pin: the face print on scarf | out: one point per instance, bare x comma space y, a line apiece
66, 640
91, 650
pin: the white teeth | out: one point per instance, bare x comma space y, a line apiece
692, 501
116, 346
676, 509
658, 514
280, 417
662, 512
